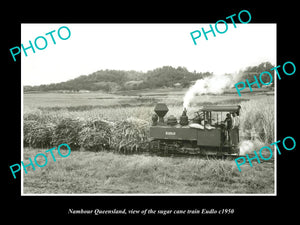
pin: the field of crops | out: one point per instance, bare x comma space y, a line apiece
110, 173
98, 126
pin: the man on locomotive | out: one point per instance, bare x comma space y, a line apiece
235, 120
228, 126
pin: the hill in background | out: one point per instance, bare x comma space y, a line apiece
120, 80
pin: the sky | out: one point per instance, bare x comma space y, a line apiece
142, 47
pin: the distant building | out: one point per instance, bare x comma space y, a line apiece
177, 85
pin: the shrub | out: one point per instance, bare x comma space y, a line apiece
125, 135
258, 115
67, 131
130, 135
95, 135
37, 135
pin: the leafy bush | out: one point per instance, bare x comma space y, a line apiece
67, 131
259, 115
130, 135
127, 135
37, 135
95, 135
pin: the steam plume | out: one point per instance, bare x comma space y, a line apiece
209, 85
246, 147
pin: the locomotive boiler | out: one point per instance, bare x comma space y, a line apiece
213, 130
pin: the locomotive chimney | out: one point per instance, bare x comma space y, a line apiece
161, 110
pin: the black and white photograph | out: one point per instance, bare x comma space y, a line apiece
146, 111
169, 112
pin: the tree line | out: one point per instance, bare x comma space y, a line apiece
252, 71
109, 80
166, 76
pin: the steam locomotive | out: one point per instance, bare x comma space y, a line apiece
207, 133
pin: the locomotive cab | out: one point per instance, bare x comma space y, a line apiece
213, 130
224, 119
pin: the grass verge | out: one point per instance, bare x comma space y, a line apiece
107, 172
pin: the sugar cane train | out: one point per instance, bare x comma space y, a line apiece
214, 130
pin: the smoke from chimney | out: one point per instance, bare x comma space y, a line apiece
209, 85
